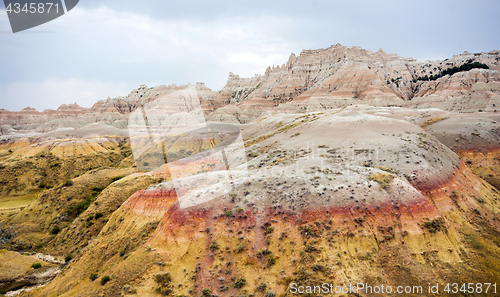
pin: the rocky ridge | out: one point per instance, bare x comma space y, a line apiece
315, 80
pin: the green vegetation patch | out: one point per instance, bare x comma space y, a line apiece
82, 206
240, 283
434, 225
465, 67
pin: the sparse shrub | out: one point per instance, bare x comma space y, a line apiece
263, 252
121, 251
472, 240
104, 280
309, 248
307, 230
98, 215
93, 276
239, 209
206, 292
432, 121
240, 248
214, 245
271, 260
270, 294
262, 286
163, 279
240, 283
36, 265
229, 213
227, 271
359, 220
55, 230
78, 208
115, 178
383, 179
68, 183
82, 206
67, 258
270, 230
164, 292
434, 225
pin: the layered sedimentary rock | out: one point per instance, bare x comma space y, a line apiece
341, 183
344, 196
314, 80
111, 112
340, 76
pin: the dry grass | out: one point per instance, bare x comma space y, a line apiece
432, 121
384, 179
17, 202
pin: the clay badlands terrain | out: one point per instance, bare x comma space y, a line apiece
359, 167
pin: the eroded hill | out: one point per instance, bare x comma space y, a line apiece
344, 196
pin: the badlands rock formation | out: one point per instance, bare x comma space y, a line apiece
112, 111
312, 81
340, 76
344, 196
358, 169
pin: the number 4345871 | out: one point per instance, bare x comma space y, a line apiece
471, 288
32, 8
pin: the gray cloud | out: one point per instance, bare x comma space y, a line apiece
108, 47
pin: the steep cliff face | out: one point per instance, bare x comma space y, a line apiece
340, 76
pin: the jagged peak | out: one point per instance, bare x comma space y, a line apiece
268, 71
70, 106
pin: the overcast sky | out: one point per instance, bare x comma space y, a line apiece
107, 48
